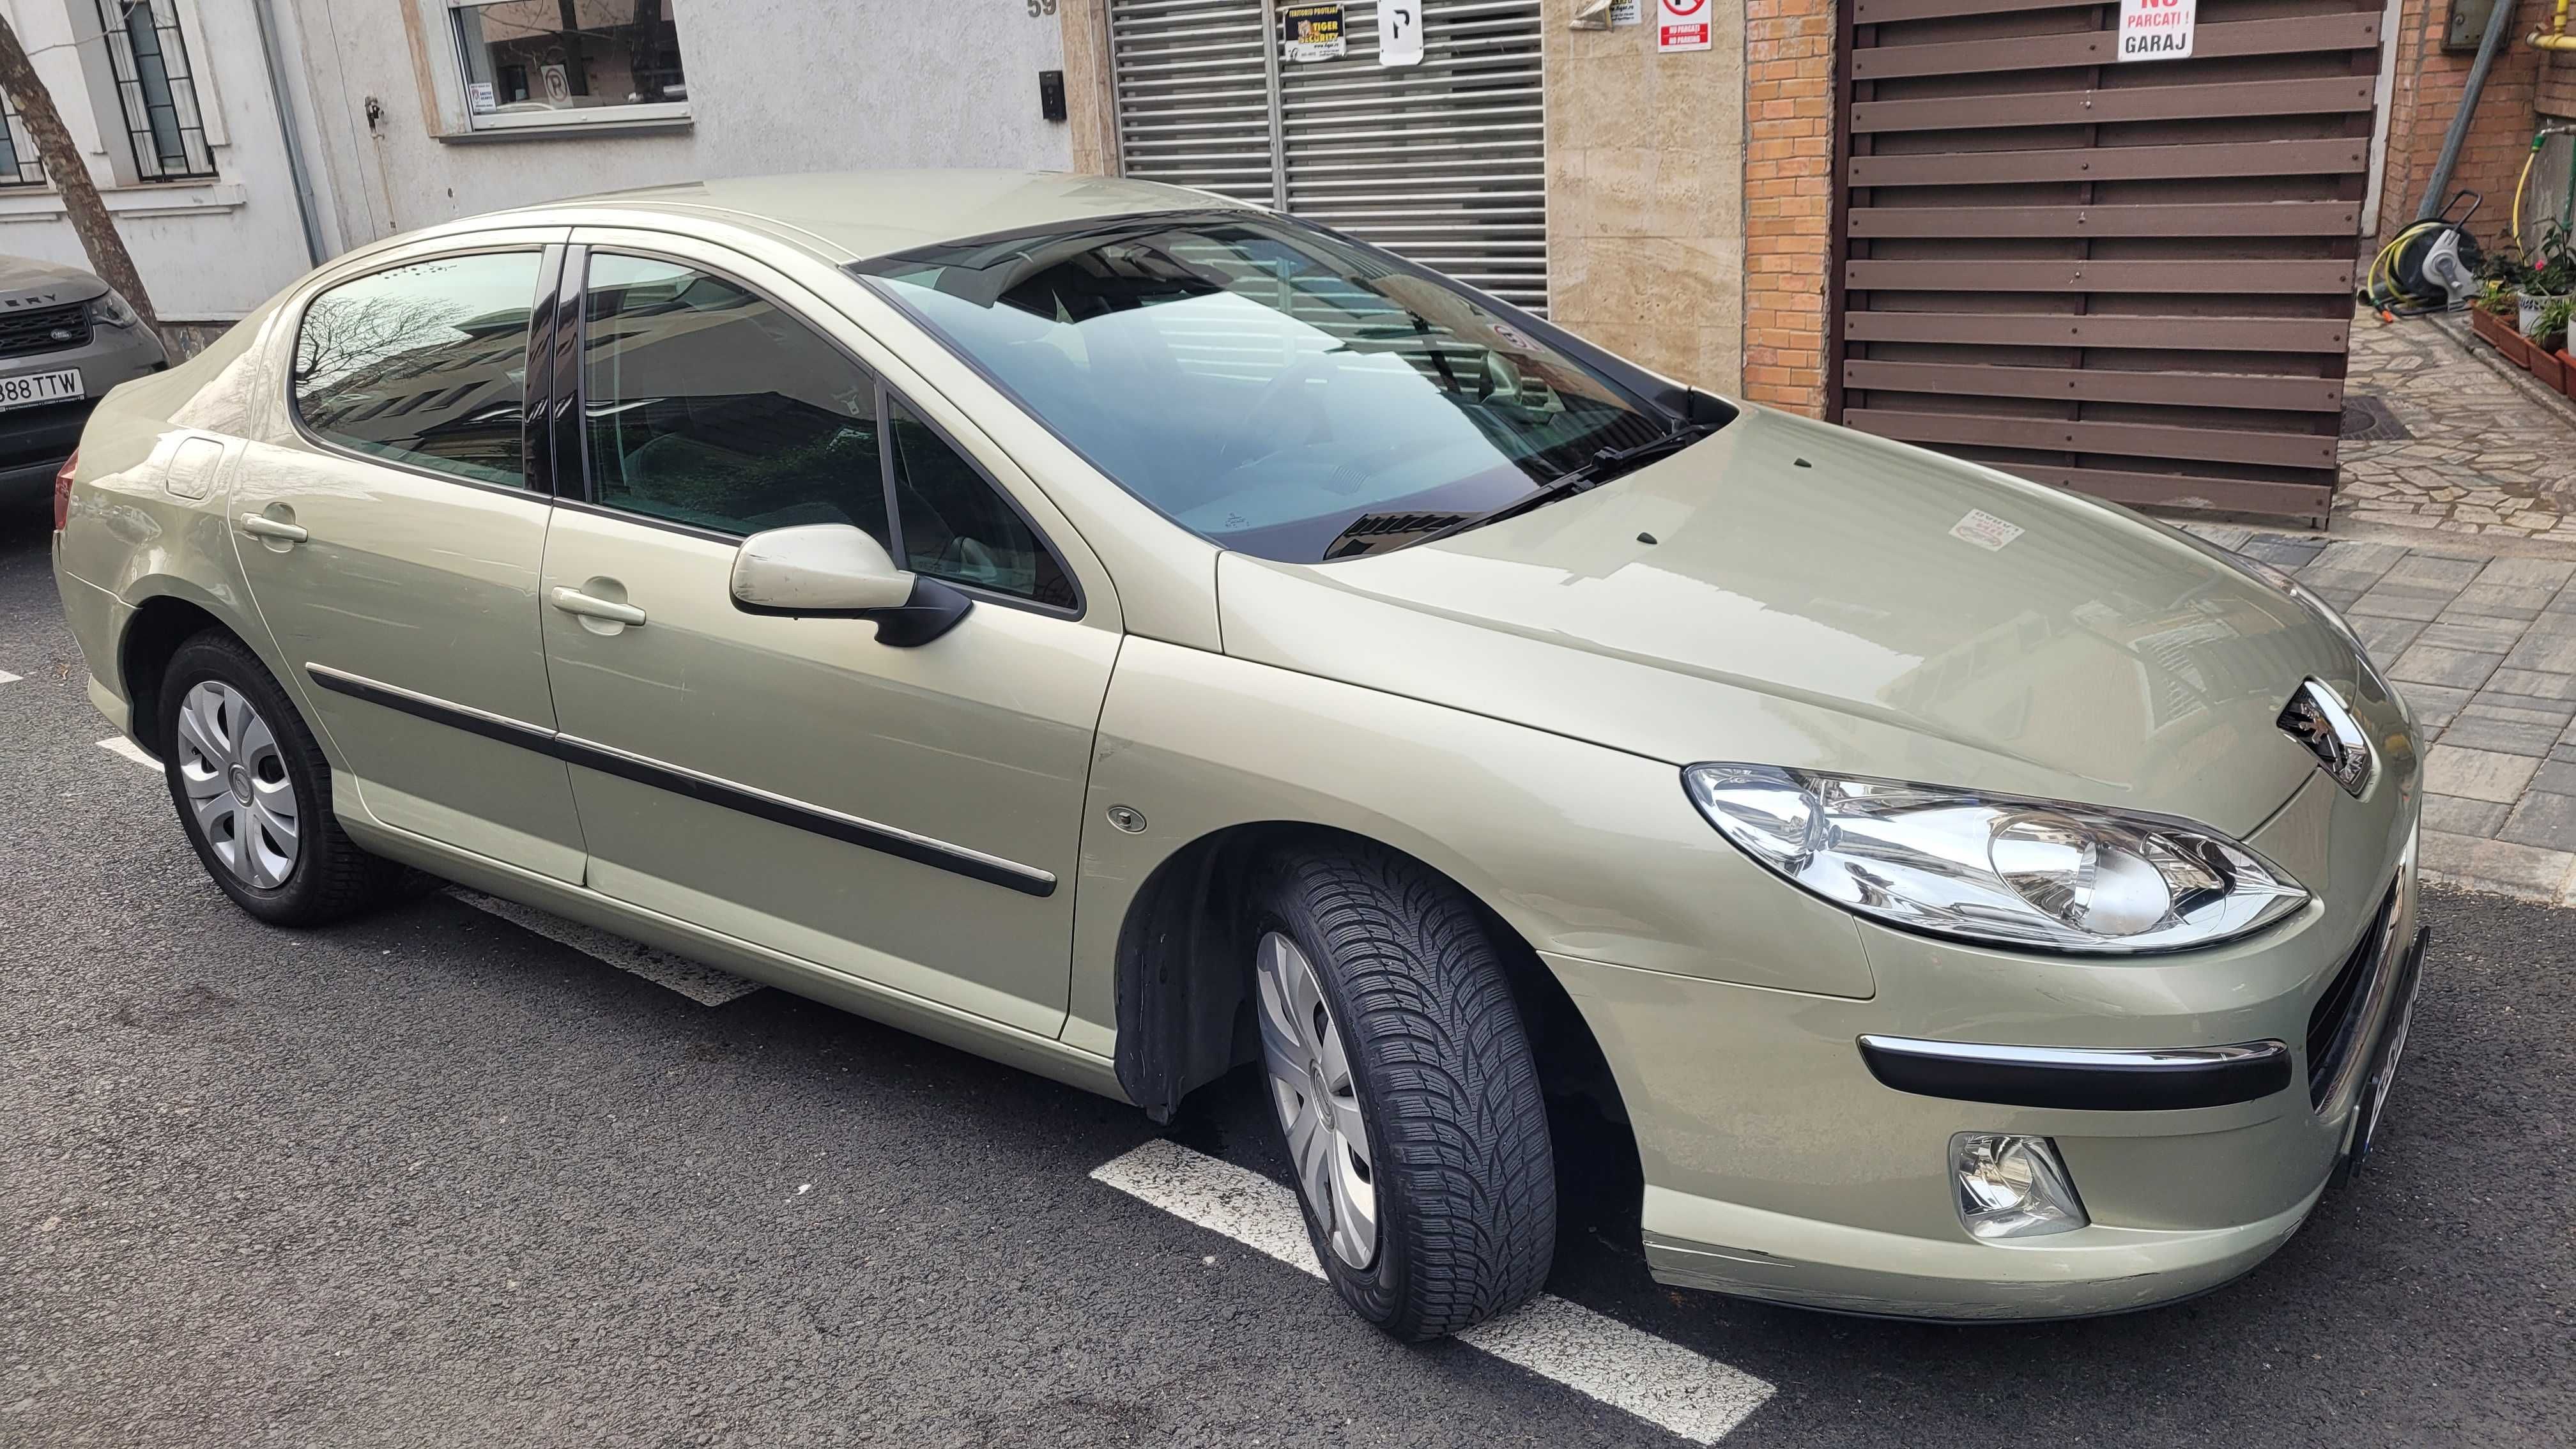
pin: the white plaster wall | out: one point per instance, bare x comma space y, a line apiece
206, 251
774, 86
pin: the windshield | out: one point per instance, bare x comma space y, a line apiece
1267, 386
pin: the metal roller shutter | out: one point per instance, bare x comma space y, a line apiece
1442, 162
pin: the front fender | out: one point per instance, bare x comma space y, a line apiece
1586, 851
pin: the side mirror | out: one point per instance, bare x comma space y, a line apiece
834, 569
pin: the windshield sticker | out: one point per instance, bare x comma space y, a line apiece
1985, 530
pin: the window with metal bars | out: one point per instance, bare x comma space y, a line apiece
156, 87
19, 165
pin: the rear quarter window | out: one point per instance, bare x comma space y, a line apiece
423, 364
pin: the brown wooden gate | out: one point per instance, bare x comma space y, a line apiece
2133, 279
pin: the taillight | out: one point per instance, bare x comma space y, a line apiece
63, 491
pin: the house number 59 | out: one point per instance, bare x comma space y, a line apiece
1041, 7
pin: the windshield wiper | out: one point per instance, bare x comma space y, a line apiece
1603, 466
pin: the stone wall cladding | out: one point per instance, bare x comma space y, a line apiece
1645, 208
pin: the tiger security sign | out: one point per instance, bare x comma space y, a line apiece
2156, 29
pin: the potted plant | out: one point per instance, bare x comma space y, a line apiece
2549, 358
2541, 302
2493, 318
2548, 335
2502, 276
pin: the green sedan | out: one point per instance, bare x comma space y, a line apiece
1134, 636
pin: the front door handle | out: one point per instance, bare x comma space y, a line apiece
260, 525
574, 601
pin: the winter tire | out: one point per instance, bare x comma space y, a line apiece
1402, 1079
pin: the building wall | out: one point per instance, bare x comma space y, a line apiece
2557, 92
774, 86
1788, 198
208, 251
1645, 194
2425, 96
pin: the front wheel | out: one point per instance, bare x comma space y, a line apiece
1405, 1090
254, 791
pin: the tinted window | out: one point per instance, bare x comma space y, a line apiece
425, 363
708, 405
1268, 386
956, 527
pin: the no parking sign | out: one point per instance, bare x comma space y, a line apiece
1681, 24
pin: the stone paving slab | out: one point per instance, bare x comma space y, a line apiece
2488, 459
2484, 650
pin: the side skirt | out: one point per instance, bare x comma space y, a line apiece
1027, 1051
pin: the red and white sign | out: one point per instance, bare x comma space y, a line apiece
1682, 24
2156, 29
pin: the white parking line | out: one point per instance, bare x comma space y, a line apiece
1663, 1383
124, 748
7, 678
704, 985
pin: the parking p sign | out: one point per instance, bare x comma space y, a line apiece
1682, 24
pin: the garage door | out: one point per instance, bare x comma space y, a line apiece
2130, 278
1442, 162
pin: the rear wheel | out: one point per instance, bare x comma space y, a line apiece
254, 791
1405, 1090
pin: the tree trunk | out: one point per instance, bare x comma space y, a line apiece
62, 158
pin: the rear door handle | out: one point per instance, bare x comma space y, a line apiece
260, 525
574, 601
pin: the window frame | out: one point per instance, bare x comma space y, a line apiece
17, 179
541, 301
117, 49
568, 412
652, 114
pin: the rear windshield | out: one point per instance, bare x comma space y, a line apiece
1266, 385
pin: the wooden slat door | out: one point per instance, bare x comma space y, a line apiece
2133, 279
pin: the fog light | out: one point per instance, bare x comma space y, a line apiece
2013, 1187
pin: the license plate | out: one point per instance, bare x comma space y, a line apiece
2392, 1047
32, 388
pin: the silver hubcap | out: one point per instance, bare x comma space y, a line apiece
1319, 1106
237, 787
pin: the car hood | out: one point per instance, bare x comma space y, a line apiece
1791, 593
26, 282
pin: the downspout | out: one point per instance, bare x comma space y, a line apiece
2499, 20
301, 176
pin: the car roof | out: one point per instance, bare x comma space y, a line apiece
848, 215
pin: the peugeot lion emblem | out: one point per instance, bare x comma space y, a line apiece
2318, 720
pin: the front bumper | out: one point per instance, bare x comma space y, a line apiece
34, 441
1780, 1166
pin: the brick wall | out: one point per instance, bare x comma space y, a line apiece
1788, 198
2425, 95
2557, 97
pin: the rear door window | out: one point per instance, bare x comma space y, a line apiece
424, 364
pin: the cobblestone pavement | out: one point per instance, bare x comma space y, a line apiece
2487, 456
2484, 648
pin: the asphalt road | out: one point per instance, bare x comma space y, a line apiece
433, 1179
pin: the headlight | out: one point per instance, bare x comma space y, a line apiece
112, 309
1997, 869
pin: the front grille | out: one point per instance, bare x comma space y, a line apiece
2334, 1027
34, 329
